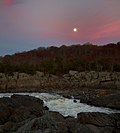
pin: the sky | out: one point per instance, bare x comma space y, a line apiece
29, 24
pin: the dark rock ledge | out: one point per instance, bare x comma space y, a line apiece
26, 114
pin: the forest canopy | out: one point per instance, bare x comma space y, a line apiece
59, 60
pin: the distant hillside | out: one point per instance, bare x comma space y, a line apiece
59, 60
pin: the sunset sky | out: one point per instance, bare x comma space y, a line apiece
28, 24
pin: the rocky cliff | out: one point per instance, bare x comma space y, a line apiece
74, 79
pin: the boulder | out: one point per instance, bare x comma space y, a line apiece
88, 76
82, 76
2, 76
66, 76
72, 73
100, 122
5, 113
18, 108
27, 101
8, 127
39, 74
107, 85
104, 76
94, 75
48, 123
98, 119
73, 125
110, 100
117, 84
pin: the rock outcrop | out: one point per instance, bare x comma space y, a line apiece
16, 110
100, 122
74, 79
27, 114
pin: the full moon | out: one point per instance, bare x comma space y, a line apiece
75, 29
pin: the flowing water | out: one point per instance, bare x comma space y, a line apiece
65, 106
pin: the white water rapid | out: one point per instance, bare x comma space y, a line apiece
65, 106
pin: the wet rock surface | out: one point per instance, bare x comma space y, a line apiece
26, 114
104, 123
17, 109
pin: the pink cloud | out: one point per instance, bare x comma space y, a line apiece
108, 30
5, 3
8, 2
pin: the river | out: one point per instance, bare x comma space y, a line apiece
65, 106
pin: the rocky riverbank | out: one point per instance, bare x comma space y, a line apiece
97, 88
74, 80
27, 114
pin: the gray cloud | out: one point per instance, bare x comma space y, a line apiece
25, 24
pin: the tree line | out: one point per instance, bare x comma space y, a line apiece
59, 60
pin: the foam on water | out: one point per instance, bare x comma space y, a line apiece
65, 106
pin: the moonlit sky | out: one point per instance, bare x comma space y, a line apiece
28, 24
